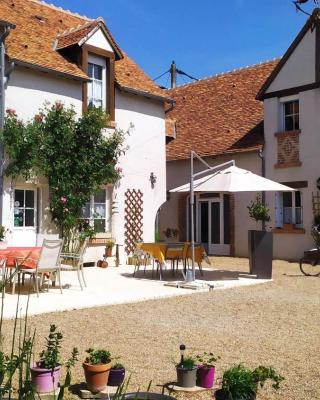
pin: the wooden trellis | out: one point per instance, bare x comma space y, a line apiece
316, 203
133, 219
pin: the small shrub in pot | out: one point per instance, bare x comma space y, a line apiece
116, 375
96, 367
45, 373
241, 383
206, 369
187, 373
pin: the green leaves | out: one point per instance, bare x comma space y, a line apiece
258, 211
76, 156
239, 382
98, 356
49, 358
207, 359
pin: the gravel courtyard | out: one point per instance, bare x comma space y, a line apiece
276, 324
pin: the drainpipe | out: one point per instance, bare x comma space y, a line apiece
263, 174
6, 27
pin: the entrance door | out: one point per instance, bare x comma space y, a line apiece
213, 223
24, 218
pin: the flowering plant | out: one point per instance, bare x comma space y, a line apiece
74, 155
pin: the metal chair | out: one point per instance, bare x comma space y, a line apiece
77, 261
140, 258
48, 265
197, 246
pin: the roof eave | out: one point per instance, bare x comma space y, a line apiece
139, 92
41, 68
288, 53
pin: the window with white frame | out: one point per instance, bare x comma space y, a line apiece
95, 85
291, 115
289, 209
95, 210
24, 208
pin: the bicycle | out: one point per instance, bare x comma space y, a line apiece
310, 263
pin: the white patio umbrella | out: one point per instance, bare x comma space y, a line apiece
233, 179
221, 179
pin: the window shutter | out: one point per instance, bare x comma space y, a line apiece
279, 210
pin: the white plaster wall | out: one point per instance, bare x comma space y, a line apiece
28, 90
178, 173
300, 67
99, 40
292, 246
146, 154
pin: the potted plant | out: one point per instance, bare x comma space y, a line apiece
260, 242
3, 242
96, 367
45, 373
109, 247
171, 234
187, 373
116, 375
241, 383
206, 369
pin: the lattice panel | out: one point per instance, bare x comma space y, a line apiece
316, 203
133, 219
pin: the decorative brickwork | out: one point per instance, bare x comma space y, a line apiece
133, 219
288, 149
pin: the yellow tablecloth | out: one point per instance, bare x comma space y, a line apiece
159, 251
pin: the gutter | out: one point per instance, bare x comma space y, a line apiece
139, 92
6, 26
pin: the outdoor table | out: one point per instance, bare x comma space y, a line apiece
159, 251
28, 256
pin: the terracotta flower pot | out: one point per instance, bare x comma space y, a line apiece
108, 252
96, 376
45, 380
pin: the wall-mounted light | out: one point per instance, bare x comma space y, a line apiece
152, 179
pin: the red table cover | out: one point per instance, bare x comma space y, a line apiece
27, 256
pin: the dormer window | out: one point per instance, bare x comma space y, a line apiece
95, 85
291, 115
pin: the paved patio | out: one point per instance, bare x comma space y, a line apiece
116, 286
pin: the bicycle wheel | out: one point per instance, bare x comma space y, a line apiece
310, 269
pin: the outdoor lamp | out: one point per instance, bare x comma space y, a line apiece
182, 351
152, 179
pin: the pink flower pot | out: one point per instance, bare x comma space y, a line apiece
45, 380
205, 376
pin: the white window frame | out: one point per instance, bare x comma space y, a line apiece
91, 218
101, 62
24, 208
279, 211
283, 101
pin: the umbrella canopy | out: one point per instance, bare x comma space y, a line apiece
234, 179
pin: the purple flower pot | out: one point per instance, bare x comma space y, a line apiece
205, 376
116, 376
45, 380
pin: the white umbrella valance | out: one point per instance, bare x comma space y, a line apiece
233, 179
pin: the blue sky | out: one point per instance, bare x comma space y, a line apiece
204, 37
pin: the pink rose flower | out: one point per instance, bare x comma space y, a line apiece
11, 112
63, 199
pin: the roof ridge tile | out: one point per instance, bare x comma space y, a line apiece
232, 71
54, 7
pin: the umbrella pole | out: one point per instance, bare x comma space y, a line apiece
192, 218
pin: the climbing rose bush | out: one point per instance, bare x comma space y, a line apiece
75, 155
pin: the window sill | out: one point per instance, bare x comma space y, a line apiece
287, 133
288, 165
111, 124
289, 230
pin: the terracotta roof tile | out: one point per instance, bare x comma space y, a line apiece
129, 74
219, 114
73, 36
38, 25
